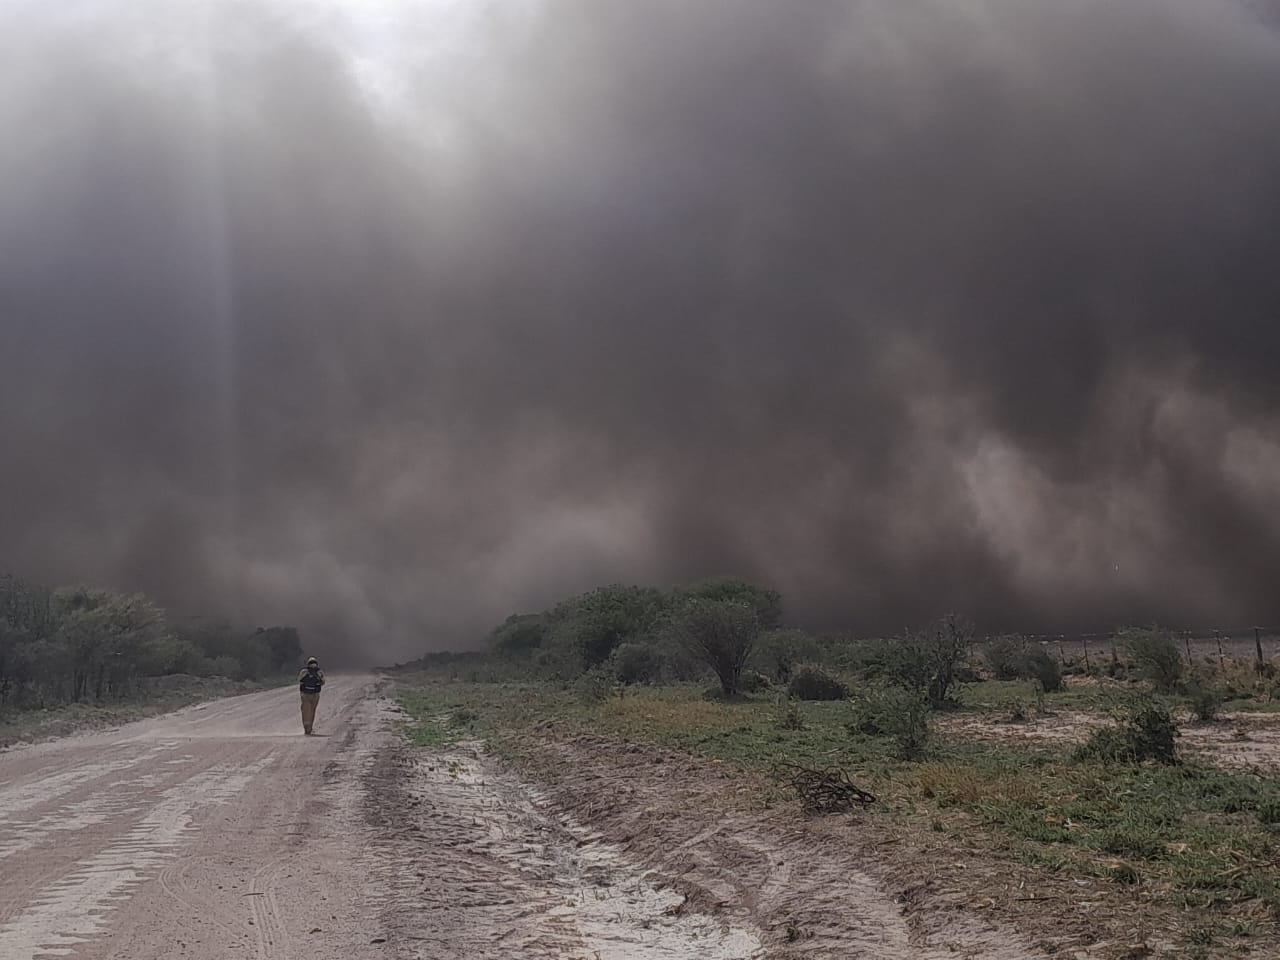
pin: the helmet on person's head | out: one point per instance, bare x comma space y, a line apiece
312, 662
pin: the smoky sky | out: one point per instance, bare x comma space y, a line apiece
389, 319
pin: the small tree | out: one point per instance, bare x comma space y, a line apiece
1156, 654
594, 624
926, 663
766, 603
1044, 670
720, 633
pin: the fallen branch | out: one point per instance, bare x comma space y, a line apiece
824, 790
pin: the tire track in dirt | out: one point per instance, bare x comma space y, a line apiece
175, 882
475, 870
75, 908
144, 842
271, 937
811, 895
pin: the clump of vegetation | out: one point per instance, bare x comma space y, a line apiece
791, 717
813, 683
1156, 654
1005, 657
721, 634
463, 717
1269, 812
1045, 671
1145, 730
591, 626
928, 664
1010, 658
779, 652
633, 663
520, 635
1204, 700
643, 635
895, 713
88, 646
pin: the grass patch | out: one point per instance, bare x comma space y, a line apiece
1197, 835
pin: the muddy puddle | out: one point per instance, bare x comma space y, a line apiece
478, 868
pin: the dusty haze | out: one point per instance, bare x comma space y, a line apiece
389, 319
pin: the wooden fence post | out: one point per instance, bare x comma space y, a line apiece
1222, 660
1084, 643
1257, 642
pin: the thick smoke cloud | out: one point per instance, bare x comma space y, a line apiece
389, 319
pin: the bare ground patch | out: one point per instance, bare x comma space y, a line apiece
478, 867
849, 886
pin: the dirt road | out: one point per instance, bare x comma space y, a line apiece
219, 831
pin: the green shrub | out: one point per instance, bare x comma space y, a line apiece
928, 664
633, 663
1009, 658
1004, 658
1145, 731
812, 683
1204, 701
779, 652
1044, 669
1156, 654
895, 713
519, 635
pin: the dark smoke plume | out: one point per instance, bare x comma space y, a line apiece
389, 319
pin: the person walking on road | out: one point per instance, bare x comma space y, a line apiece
310, 680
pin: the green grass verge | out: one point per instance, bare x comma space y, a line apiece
1207, 838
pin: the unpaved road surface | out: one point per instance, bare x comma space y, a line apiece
222, 832
218, 831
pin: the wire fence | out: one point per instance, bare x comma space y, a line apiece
1261, 644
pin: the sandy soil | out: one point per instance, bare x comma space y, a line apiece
221, 832
218, 831
833, 887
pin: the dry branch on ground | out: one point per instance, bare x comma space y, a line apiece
824, 790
